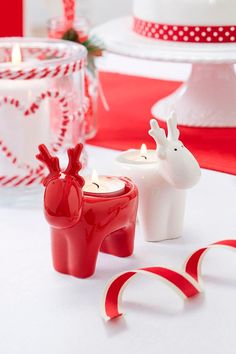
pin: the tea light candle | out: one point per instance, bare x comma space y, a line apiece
103, 186
138, 157
22, 134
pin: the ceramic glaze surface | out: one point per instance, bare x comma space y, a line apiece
186, 12
162, 184
81, 224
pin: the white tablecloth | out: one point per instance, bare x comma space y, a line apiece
43, 312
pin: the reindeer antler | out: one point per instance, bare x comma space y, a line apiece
157, 133
51, 162
74, 165
173, 131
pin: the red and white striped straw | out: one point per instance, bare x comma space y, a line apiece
69, 11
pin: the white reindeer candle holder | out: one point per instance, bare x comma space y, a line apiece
162, 177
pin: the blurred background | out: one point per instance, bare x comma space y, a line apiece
29, 18
36, 13
98, 11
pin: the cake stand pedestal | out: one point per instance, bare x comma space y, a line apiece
207, 98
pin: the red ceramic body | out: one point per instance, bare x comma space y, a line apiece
83, 225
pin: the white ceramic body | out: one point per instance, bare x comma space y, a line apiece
161, 206
162, 177
186, 12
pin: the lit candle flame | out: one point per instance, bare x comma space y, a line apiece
143, 151
95, 178
16, 57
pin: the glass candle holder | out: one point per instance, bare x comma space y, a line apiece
59, 28
42, 100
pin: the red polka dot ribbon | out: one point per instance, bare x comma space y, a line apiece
193, 34
185, 283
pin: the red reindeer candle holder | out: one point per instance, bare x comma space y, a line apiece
82, 224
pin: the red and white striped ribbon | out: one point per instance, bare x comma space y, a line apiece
180, 282
36, 174
19, 180
194, 262
185, 283
42, 73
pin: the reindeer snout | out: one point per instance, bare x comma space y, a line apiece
63, 203
190, 174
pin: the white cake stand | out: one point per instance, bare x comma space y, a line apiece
208, 98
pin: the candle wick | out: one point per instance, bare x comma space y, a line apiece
145, 157
97, 185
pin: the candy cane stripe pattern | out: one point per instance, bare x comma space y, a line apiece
194, 262
36, 174
42, 73
69, 10
191, 34
181, 283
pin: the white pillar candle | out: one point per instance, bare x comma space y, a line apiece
162, 176
103, 186
22, 134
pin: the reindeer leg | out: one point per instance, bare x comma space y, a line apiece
82, 253
120, 243
59, 251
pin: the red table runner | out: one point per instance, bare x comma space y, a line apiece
126, 125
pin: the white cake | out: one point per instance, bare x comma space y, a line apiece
186, 20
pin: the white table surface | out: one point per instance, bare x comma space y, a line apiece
44, 312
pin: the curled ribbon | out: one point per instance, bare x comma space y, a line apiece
185, 283
194, 262
182, 283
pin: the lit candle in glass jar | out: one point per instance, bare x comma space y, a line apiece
103, 186
22, 134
